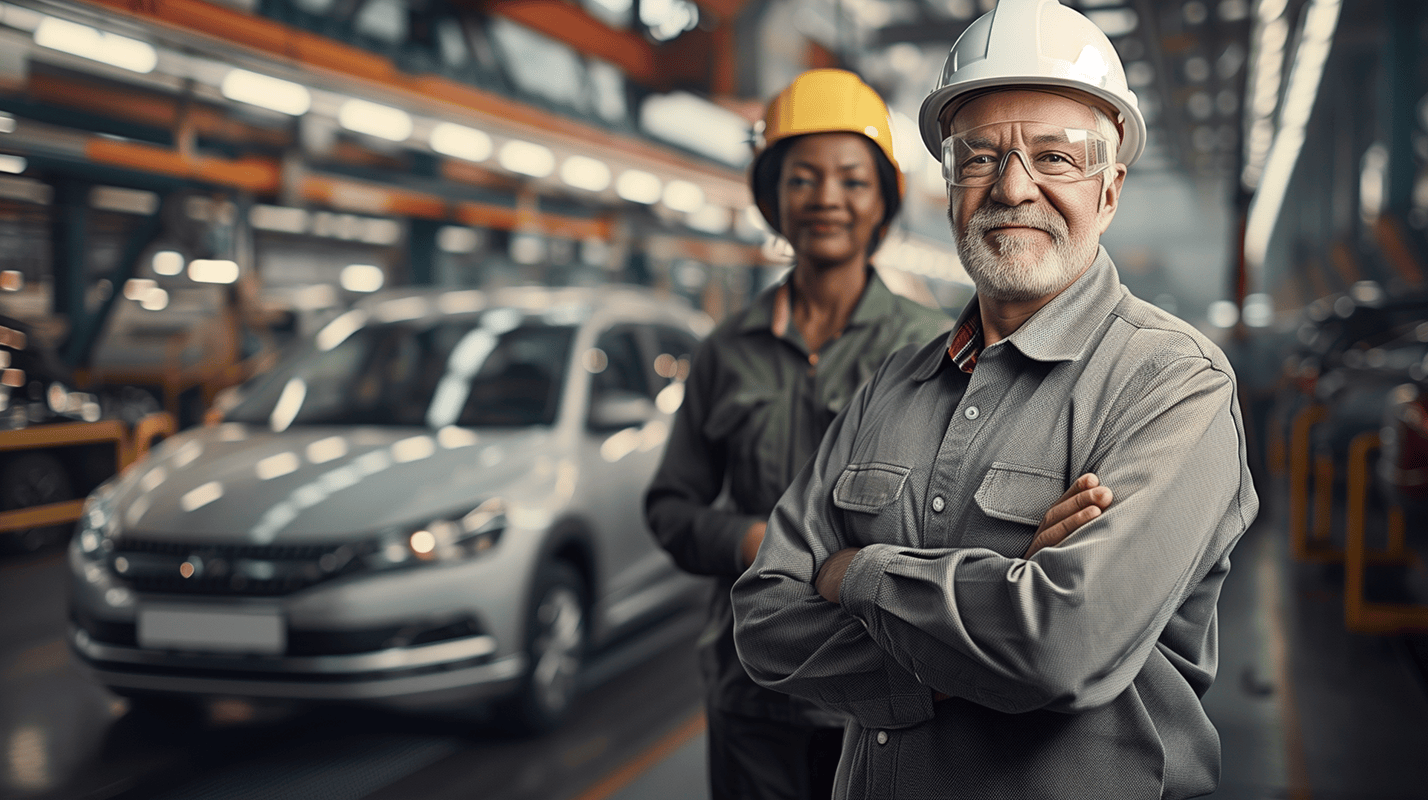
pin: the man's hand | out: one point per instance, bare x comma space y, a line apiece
749, 547
1083, 502
830, 577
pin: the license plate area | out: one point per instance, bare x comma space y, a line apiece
259, 631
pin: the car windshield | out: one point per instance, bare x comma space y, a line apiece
494, 370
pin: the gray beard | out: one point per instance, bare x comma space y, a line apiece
1007, 272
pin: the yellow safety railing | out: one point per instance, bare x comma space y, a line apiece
129, 447
1361, 615
1304, 547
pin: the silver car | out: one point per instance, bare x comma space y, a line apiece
437, 501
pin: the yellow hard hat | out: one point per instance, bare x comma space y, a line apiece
826, 101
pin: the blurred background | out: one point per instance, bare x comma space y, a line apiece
193, 192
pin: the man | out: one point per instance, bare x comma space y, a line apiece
902, 579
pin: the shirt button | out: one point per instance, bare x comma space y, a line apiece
938, 504
971, 412
882, 737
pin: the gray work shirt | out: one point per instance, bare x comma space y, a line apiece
755, 408
1075, 674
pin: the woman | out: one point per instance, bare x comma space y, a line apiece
763, 389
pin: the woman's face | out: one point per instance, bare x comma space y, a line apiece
829, 201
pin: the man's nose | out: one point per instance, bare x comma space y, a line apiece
1015, 185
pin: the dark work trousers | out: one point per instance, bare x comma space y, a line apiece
752, 758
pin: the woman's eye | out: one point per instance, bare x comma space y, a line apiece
796, 182
855, 183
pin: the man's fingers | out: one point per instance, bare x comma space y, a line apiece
1098, 496
1056, 533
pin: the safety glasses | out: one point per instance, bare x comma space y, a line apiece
1050, 153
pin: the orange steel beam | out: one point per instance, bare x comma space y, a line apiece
259, 175
1391, 240
372, 198
145, 107
569, 23
63, 434
326, 56
1345, 264
41, 516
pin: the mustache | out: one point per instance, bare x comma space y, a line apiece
986, 218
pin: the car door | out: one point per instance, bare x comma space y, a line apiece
619, 456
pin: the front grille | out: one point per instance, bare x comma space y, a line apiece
163, 567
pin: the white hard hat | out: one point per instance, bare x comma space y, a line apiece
1035, 43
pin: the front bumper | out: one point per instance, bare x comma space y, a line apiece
419, 676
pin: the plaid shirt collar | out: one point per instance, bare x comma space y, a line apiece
967, 343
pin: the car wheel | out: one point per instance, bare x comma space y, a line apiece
556, 631
34, 479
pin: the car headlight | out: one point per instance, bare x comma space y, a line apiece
441, 540
98, 525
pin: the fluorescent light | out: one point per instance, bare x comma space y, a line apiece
638, 186
7, 123
276, 466
586, 173
136, 288
12, 164
125, 201
380, 231
1223, 314
457, 239
683, 196
102, 46
373, 119
695, 123
205, 270
156, 299
362, 278
710, 219
1320, 20
264, 91
202, 496
289, 404
278, 218
459, 141
337, 331
527, 158
167, 262
1114, 22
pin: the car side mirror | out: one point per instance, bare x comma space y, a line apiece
620, 410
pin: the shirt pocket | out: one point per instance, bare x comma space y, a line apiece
753, 426
1013, 500
874, 491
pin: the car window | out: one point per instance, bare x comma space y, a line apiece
487, 371
617, 366
674, 350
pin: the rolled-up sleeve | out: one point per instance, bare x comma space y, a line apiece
702, 539
792, 640
1070, 628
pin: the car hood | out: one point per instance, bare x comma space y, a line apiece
242, 484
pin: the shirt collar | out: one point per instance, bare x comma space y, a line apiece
876, 304
1059, 330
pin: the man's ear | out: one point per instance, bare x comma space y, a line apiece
1110, 198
